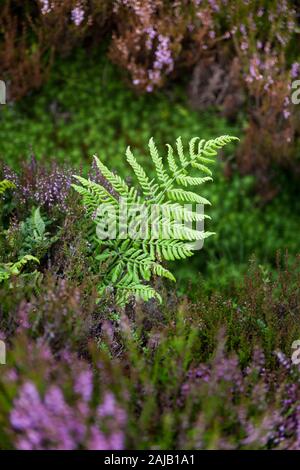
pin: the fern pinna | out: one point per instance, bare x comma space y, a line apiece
5, 185
130, 261
8, 270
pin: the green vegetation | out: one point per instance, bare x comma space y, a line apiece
133, 256
86, 109
207, 367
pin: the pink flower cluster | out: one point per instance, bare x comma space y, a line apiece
46, 6
148, 42
163, 61
49, 422
243, 392
77, 13
46, 186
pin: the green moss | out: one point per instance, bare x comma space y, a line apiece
85, 108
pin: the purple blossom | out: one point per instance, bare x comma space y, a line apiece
142, 9
97, 440
295, 70
46, 6
51, 423
151, 34
23, 316
260, 12
243, 30
77, 15
84, 385
163, 55
43, 186
247, 397
214, 5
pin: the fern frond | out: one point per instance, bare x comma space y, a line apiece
192, 181
181, 213
14, 269
5, 185
93, 191
171, 161
39, 224
139, 291
211, 146
159, 270
181, 195
169, 250
182, 158
129, 261
162, 174
116, 181
201, 167
149, 189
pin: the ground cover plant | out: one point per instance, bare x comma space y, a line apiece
132, 259
104, 350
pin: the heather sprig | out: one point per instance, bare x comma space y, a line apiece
65, 413
46, 186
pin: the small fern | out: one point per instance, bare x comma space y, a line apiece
5, 185
8, 270
130, 263
34, 237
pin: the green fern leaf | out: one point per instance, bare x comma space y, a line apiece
5, 185
129, 261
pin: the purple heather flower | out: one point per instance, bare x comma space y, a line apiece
243, 29
244, 46
98, 440
295, 70
46, 6
84, 385
46, 187
22, 315
110, 408
214, 5
11, 375
77, 15
151, 34
51, 423
163, 56
260, 12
